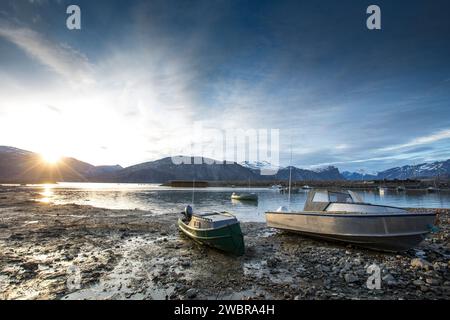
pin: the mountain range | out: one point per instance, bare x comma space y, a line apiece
437, 169
17, 165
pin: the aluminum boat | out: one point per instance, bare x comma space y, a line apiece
343, 216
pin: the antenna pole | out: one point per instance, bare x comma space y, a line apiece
290, 180
193, 190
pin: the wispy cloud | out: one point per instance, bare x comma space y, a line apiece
441, 135
60, 58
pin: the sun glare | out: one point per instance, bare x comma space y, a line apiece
51, 158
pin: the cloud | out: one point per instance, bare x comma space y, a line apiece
59, 57
441, 135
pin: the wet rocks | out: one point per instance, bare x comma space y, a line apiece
433, 281
158, 263
389, 279
420, 263
191, 293
30, 266
273, 262
350, 278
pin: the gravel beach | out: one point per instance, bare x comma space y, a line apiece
80, 252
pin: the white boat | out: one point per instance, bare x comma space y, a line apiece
343, 216
306, 187
432, 189
292, 190
246, 196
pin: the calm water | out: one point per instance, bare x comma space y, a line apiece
160, 200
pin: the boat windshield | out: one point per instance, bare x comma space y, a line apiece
332, 197
320, 197
340, 197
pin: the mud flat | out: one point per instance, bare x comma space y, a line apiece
80, 252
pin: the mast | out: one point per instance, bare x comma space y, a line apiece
290, 180
193, 191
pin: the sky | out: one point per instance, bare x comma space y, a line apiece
130, 85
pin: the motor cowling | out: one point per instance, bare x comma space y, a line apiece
188, 212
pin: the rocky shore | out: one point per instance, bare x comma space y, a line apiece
80, 252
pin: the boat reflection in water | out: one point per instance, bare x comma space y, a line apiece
343, 216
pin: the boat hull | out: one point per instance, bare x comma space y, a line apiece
389, 232
245, 197
228, 238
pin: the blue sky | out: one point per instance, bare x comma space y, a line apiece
127, 87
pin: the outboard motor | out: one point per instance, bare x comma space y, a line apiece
188, 212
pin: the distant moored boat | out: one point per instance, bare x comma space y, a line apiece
246, 196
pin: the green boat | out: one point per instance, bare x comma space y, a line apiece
220, 230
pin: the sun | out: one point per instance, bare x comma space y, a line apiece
51, 157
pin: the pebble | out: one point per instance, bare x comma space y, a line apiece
420, 263
432, 281
191, 293
350, 278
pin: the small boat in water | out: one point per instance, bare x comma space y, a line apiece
343, 216
401, 188
246, 196
432, 189
306, 187
293, 190
220, 230
276, 187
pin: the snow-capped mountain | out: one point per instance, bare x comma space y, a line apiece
358, 176
322, 169
264, 168
424, 170
257, 165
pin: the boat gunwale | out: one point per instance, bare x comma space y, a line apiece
190, 234
348, 214
209, 229
362, 203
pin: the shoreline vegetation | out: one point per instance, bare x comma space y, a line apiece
81, 252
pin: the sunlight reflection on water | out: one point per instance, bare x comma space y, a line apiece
160, 200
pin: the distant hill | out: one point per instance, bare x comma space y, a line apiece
17, 165
163, 170
21, 165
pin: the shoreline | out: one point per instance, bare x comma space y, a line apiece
47, 250
391, 185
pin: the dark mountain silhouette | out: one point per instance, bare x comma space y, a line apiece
18, 165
